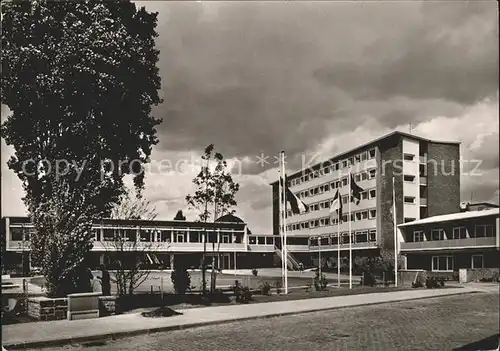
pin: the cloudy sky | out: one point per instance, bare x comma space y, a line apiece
314, 79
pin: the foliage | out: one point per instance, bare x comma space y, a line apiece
215, 192
83, 77
255, 272
242, 293
127, 252
434, 282
265, 287
179, 216
320, 284
181, 280
62, 238
368, 279
279, 285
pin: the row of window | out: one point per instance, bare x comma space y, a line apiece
360, 236
318, 206
327, 221
480, 231
337, 184
445, 263
363, 156
167, 236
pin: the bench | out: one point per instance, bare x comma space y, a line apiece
83, 306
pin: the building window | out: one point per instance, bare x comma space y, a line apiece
363, 156
409, 178
408, 157
252, 240
357, 158
225, 239
409, 199
261, 240
344, 181
418, 235
316, 207
407, 219
372, 235
327, 170
372, 193
345, 199
371, 173
371, 153
16, 234
477, 261
179, 237
437, 234
327, 204
362, 237
364, 176
358, 216
484, 230
357, 178
345, 238
336, 166
364, 215
344, 164
364, 195
442, 263
373, 214
459, 233
327, 187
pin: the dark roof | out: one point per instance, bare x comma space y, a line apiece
370, 143
229, 218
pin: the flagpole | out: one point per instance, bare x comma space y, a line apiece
284, 221
395, 234
338, 245
281, 210
350, 235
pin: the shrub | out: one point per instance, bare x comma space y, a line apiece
218, 296
181, 280
265, 288
368, 279
255, 272
242, 293
320, 283
433, 282
279, 284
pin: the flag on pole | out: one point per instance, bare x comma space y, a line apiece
336, 206
356, 191
296, 205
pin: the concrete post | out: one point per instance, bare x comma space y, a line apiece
172, 261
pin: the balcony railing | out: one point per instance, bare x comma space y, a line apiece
449, 244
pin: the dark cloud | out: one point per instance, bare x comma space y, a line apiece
260, 77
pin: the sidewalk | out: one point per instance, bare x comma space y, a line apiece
43, 334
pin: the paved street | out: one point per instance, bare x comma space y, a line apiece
434, 324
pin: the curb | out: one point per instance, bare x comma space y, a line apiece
124, 334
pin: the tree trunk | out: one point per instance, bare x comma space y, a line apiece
212, 280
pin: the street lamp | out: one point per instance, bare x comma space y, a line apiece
234, 245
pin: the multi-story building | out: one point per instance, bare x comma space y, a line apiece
162, 243
426, 182
448, 243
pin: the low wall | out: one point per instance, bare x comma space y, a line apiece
47, 309
476, 275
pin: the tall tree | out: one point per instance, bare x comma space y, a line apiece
215, 195
80, 78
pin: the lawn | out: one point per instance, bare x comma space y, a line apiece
154, 281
